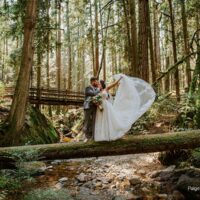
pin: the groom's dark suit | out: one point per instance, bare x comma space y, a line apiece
89, 111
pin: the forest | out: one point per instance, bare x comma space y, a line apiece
51, 52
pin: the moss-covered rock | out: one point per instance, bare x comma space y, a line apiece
38, 129
195, 157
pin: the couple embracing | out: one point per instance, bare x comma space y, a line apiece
107, 118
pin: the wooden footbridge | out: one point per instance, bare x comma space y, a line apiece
51, 96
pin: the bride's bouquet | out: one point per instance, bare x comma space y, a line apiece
97, 100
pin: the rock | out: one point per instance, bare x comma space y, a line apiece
56, 162
64, 179
94, 192
135, 180
169, 169
82, 177
176, 195
130, 196
121, 177
141, 171
105, 186
112, 187
98, 184
125, 185
102, 179
154, 174
50, 167
59, 186
162, 196
36, 168
118, 198
189, 187
84, 190
88, 184
145, 190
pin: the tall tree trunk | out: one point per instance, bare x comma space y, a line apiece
19, 105
92, 41
96, 38
153, 69
157, 59
128, 47
134, 63
104, 38
69, 48
143, 65
47, 53
58, 49
176, 75
38, 78
186, 41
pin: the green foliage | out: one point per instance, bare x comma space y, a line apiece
48, 194
188, 117
25, 156
195, 157
160, 107
8, 182
174, 157
11, 179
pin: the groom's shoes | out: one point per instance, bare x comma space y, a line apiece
85, 140
88, 140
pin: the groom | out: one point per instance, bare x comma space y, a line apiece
90, 108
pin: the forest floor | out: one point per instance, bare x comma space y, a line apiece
128, 177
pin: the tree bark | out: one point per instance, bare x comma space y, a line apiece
153, 69
134, 63
47, 53
69, 48
127, 145
92, 41
186, 42
19, 105
143, 65
96, 38
176, 74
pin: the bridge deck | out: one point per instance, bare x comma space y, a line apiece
51, 96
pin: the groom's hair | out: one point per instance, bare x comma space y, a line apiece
93, 79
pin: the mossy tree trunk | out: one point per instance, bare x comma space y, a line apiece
19, 105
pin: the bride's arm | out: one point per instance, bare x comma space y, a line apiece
113, 84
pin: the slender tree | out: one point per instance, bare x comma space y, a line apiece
143, 65
19, 105
69, 49
186, 41
176, 74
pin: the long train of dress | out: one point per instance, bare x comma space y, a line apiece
133, 98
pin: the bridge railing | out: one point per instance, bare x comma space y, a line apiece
53, 95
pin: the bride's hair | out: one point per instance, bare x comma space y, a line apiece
102, 82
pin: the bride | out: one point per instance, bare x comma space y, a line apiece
133, 98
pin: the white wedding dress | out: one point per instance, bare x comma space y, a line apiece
133, 98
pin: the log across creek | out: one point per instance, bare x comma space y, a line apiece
128, 145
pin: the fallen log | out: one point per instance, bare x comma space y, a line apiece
127, 145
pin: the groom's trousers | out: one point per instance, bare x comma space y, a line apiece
89, 122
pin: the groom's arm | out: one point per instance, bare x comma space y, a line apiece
90, 92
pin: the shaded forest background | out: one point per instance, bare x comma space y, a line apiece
60, 44
77, 39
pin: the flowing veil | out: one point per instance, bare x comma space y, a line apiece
133, 98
